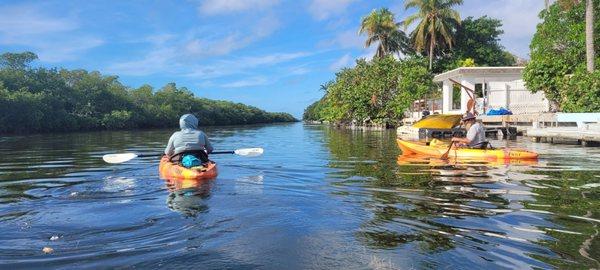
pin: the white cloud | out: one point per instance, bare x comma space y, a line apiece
158, 60
242, 64
66, 49
325, 9
214, 7
270, 59
169, 52
342, 62
54, 39
349, 39
254, 81
25, 20
519, 18
301, 70
264, 27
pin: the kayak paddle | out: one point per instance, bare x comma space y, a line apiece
124, 157
445, 155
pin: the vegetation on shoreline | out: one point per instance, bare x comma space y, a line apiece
48, 100
558, 65
381, 90
377, 91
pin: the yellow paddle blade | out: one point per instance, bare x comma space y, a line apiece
439, 121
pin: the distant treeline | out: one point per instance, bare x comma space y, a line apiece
47, 100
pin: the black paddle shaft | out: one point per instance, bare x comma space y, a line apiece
214, 152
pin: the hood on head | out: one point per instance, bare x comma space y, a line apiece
188, 121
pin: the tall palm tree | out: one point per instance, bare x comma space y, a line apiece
589, 34
437, 23
380, 27
589, 29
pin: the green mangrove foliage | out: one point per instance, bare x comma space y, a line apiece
558, 59
379, 91
47, 100
478, 40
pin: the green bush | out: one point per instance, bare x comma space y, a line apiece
581, 92
116, 119
558, 58
378, 91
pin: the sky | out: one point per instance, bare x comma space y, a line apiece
272, 54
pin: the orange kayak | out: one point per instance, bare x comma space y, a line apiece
437, 149
169, 170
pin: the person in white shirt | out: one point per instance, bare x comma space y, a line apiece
475, 133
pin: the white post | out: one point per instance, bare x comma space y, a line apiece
506, 96
446, 96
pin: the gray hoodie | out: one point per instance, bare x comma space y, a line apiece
189, 138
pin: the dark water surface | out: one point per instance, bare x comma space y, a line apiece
318, 198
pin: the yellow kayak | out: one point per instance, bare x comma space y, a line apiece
437, 149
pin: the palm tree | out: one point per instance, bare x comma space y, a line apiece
437, 23
380, 27
589, 29
589, 34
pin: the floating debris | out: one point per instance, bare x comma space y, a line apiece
47, 250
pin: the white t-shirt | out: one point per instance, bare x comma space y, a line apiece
476, 134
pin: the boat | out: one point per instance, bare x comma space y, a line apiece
170, 170
412, 159
437, 148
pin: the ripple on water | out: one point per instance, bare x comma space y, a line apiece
318, 198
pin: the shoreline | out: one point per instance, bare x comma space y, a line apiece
372, 127
138, 129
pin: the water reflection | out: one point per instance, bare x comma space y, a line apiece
189, 197
493, 209
319, 198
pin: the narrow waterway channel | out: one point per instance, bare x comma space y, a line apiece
318, 198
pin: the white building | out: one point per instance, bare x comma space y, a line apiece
496, 87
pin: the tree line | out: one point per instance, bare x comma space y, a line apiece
56, 100
403, 66
563, 56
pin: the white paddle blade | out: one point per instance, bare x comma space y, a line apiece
118, 158
249, 152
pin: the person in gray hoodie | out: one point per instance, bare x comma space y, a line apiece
189, 140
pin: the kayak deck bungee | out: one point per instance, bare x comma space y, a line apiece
169, 170
437, 150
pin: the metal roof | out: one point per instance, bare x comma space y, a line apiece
479, 71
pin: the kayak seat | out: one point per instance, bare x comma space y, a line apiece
200, 154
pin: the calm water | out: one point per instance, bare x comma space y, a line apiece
318, 198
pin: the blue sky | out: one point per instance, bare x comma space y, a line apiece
273, 54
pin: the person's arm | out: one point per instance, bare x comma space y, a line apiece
461, 140
170, 149
471, 133
207, 145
